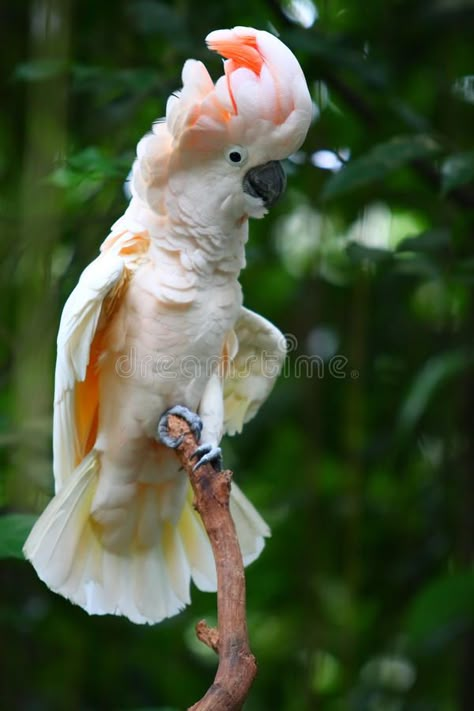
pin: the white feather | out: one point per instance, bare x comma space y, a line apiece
144, 584
76, 332
180, 245
197, 548
250, 526
254, 369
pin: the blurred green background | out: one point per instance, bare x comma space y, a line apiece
362, 462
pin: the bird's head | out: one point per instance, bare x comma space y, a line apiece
221, 143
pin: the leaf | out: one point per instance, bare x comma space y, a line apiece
379, 162
435, 373
429, 241
441, 609
457, 169
361, 253
463, 88
114, 82
14, 530
441, 301
151, 17
39, 69
337, 54
95, 160
84, 173
303, 13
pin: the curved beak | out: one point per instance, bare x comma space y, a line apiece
266, 181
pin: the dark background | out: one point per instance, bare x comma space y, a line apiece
363, 598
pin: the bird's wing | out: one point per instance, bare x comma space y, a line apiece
85, 313
255, 353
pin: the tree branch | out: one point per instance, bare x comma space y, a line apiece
237, 667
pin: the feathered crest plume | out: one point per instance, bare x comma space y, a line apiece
261, 96
263, 87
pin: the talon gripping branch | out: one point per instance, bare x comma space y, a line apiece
144, 328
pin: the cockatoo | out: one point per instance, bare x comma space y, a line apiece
157, 322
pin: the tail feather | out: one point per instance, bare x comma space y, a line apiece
197, 547
144, 583
251, 532
53, 542
176, 561
250, 526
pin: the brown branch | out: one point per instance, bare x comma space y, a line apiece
237, 667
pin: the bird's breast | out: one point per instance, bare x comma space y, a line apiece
161, 342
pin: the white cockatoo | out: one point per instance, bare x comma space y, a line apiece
157, 321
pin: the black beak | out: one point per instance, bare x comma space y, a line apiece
266, 181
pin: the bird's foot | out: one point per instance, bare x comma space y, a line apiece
193, 420
207, 454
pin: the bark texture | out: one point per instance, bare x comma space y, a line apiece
237, 667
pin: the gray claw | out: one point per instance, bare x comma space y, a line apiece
193, 420
207, 454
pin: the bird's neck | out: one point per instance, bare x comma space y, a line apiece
206, 250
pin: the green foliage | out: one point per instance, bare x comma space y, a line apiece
433, 375
14, 530
444, 607
457, 169
86, 172
362, 599
378, 163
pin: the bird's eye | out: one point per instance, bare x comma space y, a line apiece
236, 155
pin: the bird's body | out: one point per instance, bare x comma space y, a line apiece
157, 321
160, 351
